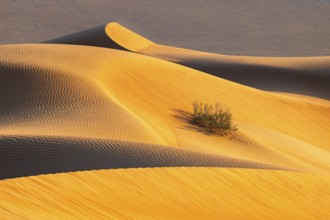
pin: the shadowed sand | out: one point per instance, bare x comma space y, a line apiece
26, 156
74, 108
96, 36
301, 75
86, 92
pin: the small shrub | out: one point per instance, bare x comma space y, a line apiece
214, 118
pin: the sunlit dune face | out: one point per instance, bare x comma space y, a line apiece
66, 109
172, 193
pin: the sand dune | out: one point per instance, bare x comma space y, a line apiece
169, 193
26, 156
96, 36
105, 36
302, 75
88, 107
59, 96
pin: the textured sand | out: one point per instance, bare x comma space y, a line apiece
26, 156
47, 91
168, 193
59, 96
302, 75
76, 108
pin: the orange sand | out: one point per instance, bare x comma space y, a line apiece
98, 101
168, 193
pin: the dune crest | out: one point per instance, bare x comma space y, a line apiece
133, 42
95, 37
301, 75
60, 97
118, 100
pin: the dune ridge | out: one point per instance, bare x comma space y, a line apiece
95, 37
104, 107
56, 99
302, 75
118, 100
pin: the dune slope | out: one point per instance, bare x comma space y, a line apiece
86, 92
49, 92
302, 75
164, 100
168, 193
26, 156
89, 107
96, 37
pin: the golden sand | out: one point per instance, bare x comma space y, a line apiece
113, 105
169, 193
302, 75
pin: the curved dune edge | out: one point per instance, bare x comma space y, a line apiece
26, 156
47, 92
132, 41
158, 103
95, 37
171, 193
70, 108
104, 108
304, 98
307, 76
107, 36
301, 75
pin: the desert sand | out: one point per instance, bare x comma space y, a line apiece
168, 193
299, 75
118, 100
303, 75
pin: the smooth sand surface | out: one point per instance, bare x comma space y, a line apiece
87, 92
168, 193
302, 75
96, 37
83, 107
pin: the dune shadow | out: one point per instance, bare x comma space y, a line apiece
187, 122
186, 119
96, 37
33, 155
269, 78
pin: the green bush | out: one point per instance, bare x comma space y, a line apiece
214, 118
